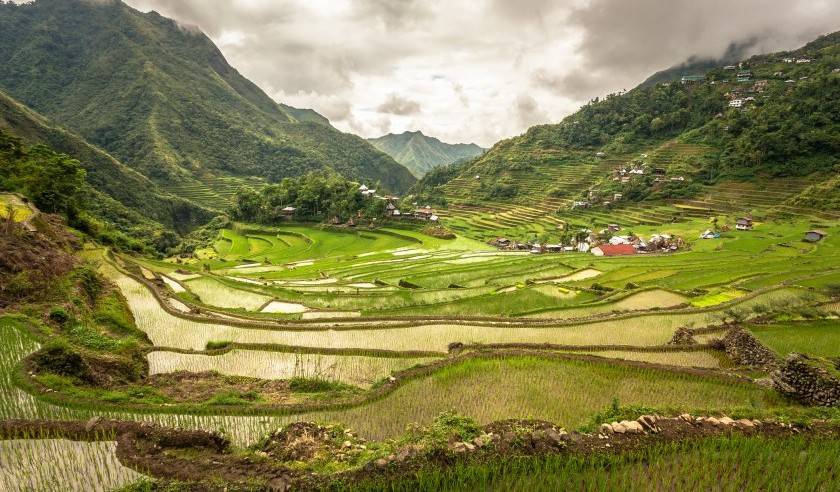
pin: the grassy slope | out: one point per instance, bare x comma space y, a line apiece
163, 99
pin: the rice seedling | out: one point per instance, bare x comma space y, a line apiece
561, 391
721, 463
820, 338
58, 464
215, 293
359, 371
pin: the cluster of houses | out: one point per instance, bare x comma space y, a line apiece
589, 242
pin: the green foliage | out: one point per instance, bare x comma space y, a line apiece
53, 181
315, 196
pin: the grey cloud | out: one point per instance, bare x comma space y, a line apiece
398, 105
623, 42
394, 14
528, 111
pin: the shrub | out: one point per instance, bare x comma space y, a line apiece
59, 315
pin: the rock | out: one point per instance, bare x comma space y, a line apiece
483, 440
648, 422
606, 429
686, 417
346, 444
381, 462
558, 437
391, 378
458, 447
713, 421
726, 421
92, 423
744, 423
633, 427
618, 428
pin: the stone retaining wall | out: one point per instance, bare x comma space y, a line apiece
809, 380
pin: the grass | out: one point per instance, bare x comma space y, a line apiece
722, 463
820, 338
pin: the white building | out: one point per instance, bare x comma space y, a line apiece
736, 103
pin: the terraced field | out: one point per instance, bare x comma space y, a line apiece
546, 190
418, 325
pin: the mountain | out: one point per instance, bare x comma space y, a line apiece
163, 100
420, 153
786, 124
117, 194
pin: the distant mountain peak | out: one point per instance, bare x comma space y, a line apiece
420, 153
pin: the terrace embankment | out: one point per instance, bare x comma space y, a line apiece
809, 380
295, 457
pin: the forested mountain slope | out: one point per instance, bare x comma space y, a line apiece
117, 193
163, 99
420, 153
787, 123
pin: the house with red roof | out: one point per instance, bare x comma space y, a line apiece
614, 250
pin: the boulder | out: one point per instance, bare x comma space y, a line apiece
618, 428
744, 423
633, 427
606, 429
726, 421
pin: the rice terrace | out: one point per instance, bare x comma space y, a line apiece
203, 289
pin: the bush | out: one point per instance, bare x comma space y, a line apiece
59, 315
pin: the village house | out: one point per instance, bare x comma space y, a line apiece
814, 236
613, 227
744, 224
736, 103
288, 213
580, 204
803, 60
391, 210
788, 60
600, 154
425, 213
678, 178
617, 196
730, 67
709, 234
692, 79
614, 250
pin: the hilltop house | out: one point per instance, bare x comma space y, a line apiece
814, 236
692, 79
614, 250
744, 224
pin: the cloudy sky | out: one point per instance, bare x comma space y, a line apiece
477, 70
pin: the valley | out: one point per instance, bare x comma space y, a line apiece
206, 289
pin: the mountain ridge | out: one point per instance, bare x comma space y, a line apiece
164, 100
